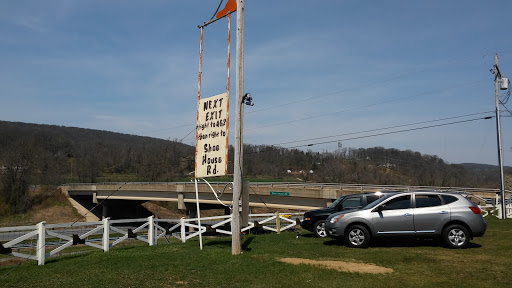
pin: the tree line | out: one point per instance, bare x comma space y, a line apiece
375, 165
32, 154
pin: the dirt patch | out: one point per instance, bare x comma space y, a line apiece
11, 261
163, 212
51, 215
342, 266
56, 214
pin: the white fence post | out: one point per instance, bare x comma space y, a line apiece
497, 203
41, 244
182, 227
151, 231
106, 234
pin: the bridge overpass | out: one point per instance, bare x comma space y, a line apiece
292, 196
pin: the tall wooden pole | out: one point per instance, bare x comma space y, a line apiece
498, 133
238, 161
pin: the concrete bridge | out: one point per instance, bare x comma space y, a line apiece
293, 196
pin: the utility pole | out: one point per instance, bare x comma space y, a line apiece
238, 161
497, 78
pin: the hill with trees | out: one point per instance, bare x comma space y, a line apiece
33, 154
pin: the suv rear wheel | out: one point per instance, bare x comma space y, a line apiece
456, 236
319, 229
357, 236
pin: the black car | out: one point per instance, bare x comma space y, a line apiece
314, 220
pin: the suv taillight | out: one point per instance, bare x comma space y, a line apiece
475, 210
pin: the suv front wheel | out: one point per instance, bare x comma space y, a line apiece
319, 229
357, 236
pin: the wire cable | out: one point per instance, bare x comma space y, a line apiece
100, 203
374, 135
365, 106
386, 128
8, 272
218, 7
181, 140
368, 85
44, 247
503, 104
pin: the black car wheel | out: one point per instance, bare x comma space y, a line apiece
319, 229
456, 236
357, 236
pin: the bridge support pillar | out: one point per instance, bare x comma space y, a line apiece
191, 210
104, 213
181, 201
192, 213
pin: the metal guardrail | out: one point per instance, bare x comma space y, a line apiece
361, 187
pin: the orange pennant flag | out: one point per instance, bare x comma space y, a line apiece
230, 7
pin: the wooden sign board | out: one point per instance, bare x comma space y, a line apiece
212, 136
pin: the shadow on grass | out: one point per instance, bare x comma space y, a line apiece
404, 242
72, 255
308, 235
220, 243
246, 241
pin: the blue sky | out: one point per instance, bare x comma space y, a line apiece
318, 71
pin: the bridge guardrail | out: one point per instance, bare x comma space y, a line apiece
320, 185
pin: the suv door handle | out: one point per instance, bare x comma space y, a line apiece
443, 212
407, 214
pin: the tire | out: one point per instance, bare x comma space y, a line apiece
319, 229
456, 236
357, 236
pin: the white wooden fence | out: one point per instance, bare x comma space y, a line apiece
495, 207
49, 239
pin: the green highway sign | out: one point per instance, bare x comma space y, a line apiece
278, 193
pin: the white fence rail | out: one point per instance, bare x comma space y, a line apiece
269, 222
50, 239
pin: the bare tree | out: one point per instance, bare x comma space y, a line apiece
18, 165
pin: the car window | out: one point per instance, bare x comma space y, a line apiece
449, 199
378, 201
352, 202
402, 202
371, 198
335, 203
427, 201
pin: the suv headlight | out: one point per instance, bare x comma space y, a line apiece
336, 218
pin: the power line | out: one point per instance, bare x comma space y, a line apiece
365, 85
386, 128
392, 132
503, 104
365, 106
166, 129
181, 140
339, 92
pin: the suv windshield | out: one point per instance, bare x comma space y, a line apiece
377, 202
335, 203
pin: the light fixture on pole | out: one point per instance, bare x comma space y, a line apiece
247, 99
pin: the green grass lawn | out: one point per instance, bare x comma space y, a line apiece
486, 263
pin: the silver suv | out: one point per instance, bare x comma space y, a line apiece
449, 216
